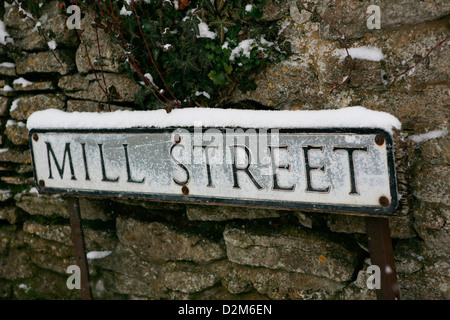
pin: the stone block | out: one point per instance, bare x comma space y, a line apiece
292, 249
25, 85
15, 156
14, 19
431, 184
5, 195
15, 265
8, 69
56, 61
4, 104
91, 106
158, 242
16, 132
12, 214
416, 110
95, 240
431, 223
23, 107
278, 284
190, 282
52, 24
280, 85
401, 226
125, 87
111, 57
5, 89
54, 248
424, 285
45, 205
350, 16
51, 262
54, 205
220, 213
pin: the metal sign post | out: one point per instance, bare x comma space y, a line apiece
73, 206
382, 255
342, 171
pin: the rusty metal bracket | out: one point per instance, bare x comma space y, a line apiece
382, 255
73, 206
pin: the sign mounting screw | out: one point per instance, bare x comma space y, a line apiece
42, 183
383, 201
177, 138
35, 137
185, 190
379, 140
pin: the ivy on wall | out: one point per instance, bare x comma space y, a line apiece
193, 53
186, 53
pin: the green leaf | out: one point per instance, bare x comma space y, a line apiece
221, 23
228, 68
218, 78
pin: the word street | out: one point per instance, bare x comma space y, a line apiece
350, 171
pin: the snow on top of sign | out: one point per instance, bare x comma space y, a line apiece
351, 117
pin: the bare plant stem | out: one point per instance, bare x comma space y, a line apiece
108, 97
440, 43
133, 62
83, 41
150, 54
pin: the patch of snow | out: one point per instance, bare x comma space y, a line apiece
97, 254
205, 32
206, 94
363, 53
24, 287
243, 48
125, 12
23, 82
5, 38
7, 65
14, 105
249, 7
428, 136
150, 78
33, 190
10, 123
7, 88
351, 117
52, 44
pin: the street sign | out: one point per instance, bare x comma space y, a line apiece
334, 170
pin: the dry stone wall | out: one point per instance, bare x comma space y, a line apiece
176, 251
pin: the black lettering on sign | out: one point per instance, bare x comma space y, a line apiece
83, 147
58, 167
127, 162
105, 178
350, 151
182, 166
281, 166
309, 168
245, 169
208, 167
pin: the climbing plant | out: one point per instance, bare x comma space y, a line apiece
190, 53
